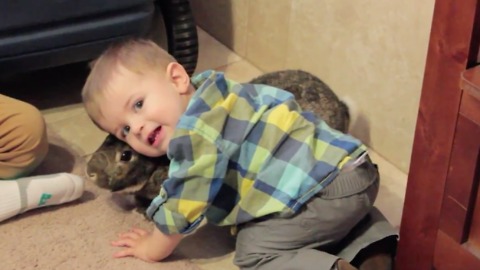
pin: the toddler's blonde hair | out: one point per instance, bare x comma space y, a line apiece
136, 55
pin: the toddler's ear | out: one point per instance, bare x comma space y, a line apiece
179, 77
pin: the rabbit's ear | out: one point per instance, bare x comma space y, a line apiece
109, 140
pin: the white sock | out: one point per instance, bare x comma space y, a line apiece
23, 194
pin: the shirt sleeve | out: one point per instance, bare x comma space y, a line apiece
196, 173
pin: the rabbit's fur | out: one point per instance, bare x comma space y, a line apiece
312, 94
116, 166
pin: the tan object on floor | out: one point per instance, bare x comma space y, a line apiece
23, 138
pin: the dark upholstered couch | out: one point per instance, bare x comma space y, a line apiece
37, 34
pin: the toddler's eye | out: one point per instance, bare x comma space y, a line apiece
138, 104
125, 131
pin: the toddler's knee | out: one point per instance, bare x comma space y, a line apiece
32, 125
24, 134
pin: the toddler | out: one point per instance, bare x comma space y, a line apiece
242, 155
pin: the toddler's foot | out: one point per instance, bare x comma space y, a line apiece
23, 194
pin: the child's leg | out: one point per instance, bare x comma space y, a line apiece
23, 139
23, 194
307, 240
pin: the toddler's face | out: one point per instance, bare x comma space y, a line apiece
143, 110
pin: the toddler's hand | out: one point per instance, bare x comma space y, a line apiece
136, 242
150, 247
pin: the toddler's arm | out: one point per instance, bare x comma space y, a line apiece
150, 247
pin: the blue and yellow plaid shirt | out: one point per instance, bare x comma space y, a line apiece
243, 151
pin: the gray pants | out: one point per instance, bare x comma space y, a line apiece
308, 239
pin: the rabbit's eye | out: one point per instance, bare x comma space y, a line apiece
126, 155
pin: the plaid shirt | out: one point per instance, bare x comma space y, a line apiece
243, 151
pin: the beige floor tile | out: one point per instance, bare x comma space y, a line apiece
56, 114
78, 130
393, 184
241, 71
222, 263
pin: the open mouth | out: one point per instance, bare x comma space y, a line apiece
153, 137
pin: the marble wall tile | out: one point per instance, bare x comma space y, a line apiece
372, 53
212, 53
226, 20
268, 33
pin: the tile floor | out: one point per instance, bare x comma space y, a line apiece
65, 115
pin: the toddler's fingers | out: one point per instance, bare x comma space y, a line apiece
139, 231
124, 243
129, 235
124, 253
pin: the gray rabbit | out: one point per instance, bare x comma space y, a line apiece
116, 166
312, 94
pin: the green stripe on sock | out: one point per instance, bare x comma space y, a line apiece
44, 198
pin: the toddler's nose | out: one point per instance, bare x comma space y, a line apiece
136, 128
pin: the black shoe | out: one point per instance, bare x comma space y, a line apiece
378, 256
